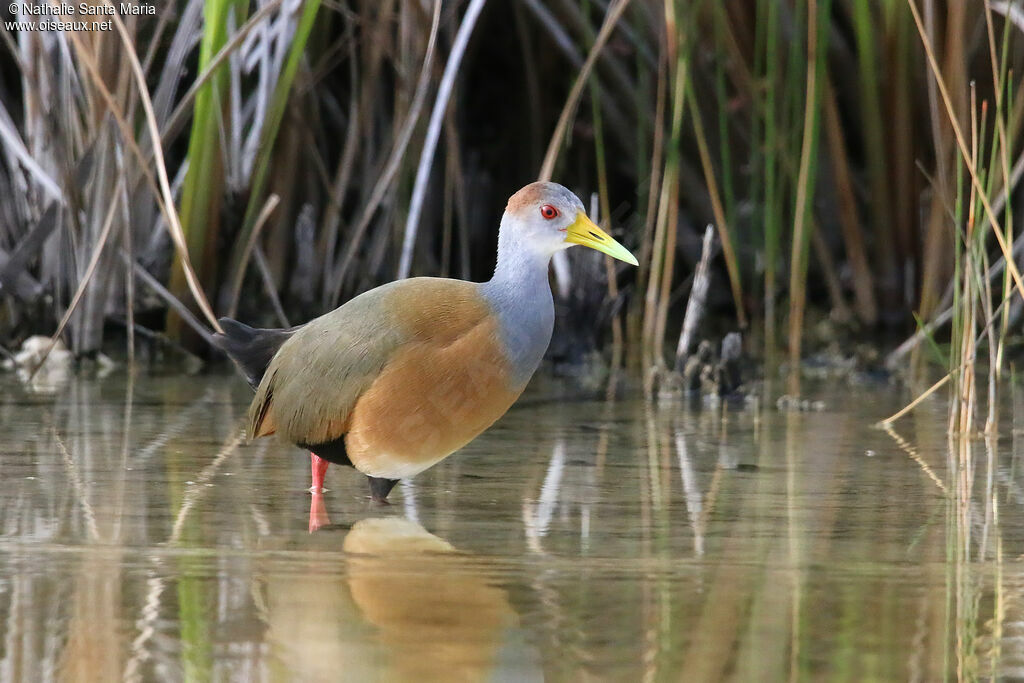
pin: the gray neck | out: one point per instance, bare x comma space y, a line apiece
520, 295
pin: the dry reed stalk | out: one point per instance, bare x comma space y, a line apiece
13, 143
905, 410
172, 301
768, 11
830, 274
612, 17
331, 219
260, 259
938, 242
459, 199
998, 268
998, 82
444, 91
664, 295
182, 109
849, 219
90, 270
620, 82
86, 327
546, 20
89, 337
975, 272
901, 137
962, 417
728, 252
88, 59
236, 284
652, 352
600, 209
994, 346
966, 394
259, 147
696, 302
448, 210
670, 190
647, 239
975, 182
391, 168
167, 206
677, 48
129, 247
651, 355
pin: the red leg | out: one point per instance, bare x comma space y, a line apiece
319, 468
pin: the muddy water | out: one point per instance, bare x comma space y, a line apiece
575, 540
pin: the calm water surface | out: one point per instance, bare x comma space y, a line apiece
575, 540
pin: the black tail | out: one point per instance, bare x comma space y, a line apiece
250, 348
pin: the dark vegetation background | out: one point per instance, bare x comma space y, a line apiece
811, 133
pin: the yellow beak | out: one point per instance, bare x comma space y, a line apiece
584, 232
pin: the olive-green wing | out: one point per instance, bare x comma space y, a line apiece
315, 380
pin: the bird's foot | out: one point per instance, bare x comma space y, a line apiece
380, 488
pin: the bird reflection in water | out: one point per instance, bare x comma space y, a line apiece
318, 517
405, 605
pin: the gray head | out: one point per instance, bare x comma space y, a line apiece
545, 218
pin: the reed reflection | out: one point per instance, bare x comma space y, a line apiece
620, 539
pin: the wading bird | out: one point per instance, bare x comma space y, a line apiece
403, 375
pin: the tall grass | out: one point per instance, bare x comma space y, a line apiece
817, 45
814, 135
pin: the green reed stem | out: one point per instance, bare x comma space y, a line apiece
817, 45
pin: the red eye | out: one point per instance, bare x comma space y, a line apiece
548, 211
